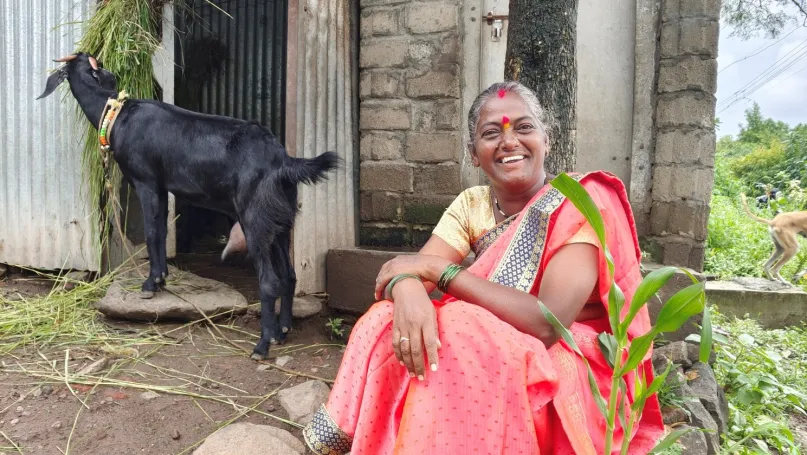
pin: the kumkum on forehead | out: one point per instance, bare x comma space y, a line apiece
505, 122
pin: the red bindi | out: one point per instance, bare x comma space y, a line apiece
502, 92
505, 120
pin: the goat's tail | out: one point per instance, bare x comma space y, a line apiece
309, 170
745, 206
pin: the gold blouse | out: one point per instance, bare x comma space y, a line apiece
470, 216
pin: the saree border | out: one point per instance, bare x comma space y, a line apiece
324, 437
570, 408
519, 265
488, 238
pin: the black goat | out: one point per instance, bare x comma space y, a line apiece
220, 163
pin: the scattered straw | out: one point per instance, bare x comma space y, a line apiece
243, 412
13, 444
64, 317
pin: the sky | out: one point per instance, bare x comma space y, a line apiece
744, 65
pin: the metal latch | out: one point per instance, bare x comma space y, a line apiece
497, 21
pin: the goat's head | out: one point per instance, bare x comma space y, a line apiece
79, 65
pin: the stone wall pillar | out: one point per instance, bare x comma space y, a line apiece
409, 118
683, 171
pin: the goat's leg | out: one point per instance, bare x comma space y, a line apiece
259, 242
150, 204
285, 269
162, 235
269, 285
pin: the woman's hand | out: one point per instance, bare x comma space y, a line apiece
422, 265
414, 327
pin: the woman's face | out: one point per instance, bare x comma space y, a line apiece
509, 144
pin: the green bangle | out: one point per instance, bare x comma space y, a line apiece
449, 274
394, 280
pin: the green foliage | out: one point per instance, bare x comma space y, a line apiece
335, 325
767, 154
762, 374
122, 34
624, 354
765, 18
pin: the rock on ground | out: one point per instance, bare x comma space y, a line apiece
251, 439
673, 415
704, 386
702, 419
694, 442
302, 401
303, 307
172, 303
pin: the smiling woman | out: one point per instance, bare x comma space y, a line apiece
482, 370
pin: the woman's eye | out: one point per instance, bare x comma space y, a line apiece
526, 127
490, 133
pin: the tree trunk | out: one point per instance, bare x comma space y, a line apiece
541, 40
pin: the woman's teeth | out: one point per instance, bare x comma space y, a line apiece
511, 159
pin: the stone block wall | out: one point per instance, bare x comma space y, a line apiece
409, 118
683, 168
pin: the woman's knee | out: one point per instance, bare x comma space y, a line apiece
376, 318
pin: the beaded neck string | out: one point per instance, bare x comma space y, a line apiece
108, 117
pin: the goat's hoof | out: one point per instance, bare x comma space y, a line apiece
145, 295
257, 357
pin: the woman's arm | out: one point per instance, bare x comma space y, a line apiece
567, 283
434, 247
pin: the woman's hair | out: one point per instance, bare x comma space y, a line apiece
511, 86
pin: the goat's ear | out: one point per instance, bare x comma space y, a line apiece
94, 63
54, 80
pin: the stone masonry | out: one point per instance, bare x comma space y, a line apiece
683, 171
409, 118
410, 122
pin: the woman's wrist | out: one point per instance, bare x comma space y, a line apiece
436, 268
405, 286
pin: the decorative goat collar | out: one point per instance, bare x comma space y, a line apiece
108, 117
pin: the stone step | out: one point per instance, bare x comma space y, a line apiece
774, 304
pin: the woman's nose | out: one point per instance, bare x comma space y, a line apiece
509, 139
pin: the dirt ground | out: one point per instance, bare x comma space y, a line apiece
205, 380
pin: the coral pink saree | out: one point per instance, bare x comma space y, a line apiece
497, 390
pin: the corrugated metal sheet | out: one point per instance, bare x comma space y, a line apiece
44, 213
233, 66
321, 94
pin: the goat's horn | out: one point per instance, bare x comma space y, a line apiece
94, 63
65, 59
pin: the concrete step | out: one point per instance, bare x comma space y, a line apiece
774, 304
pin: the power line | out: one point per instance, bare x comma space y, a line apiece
757, 52
773, 71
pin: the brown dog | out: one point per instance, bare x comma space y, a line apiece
784, 229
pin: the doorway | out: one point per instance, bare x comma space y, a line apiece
230, 60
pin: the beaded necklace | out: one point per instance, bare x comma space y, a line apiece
108, 117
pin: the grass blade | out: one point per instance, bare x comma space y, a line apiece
669, 440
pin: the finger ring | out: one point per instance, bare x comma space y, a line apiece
404, 339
